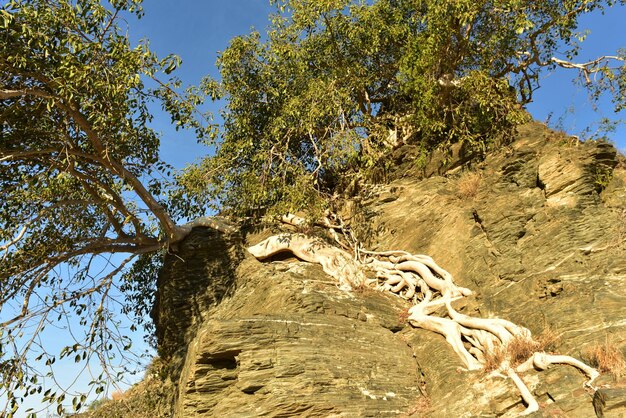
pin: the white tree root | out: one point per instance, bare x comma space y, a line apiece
542, 361
417, 278
531, 403
335, 262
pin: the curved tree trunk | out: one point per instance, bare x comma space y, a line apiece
335, 261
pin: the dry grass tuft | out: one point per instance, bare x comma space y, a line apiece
494, 358
362, 288
468, 184
117, 395
520, 349
607, 358
547, 340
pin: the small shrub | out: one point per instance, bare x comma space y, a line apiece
607, 358
468, 185
602, 178
421, 161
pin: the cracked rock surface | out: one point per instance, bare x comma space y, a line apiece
288, 342
541, 242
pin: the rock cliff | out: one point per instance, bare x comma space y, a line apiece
537, 230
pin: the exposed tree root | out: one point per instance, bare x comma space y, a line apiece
531, 403
336, 262
420, 280
213, 222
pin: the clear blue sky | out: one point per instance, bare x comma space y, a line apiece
197, 30
558, 93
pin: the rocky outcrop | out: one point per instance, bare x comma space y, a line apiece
290, 343
610, 402
539, 250
541, 240
193, 280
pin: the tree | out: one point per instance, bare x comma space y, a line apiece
80, 173
337, 85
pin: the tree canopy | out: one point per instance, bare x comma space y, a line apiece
80, 174
337, 84
326, 95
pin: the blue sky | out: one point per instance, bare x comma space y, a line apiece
196, 31
558, 94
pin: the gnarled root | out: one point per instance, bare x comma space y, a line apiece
419, 279
542, 361
529, 399
451, 331
335, 262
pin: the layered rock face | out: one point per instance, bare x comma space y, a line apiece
288, 342
540, 237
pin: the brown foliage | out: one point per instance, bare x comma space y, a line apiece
494, 358
520, 349
467, 185
548, 339
117, 395
607, 358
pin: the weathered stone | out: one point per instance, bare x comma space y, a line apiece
569, 175
192, 281
542, 243
610, 402
290, 343
530, 262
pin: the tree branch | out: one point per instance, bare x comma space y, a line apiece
587, 68
25, 313
105, 158
10, 94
